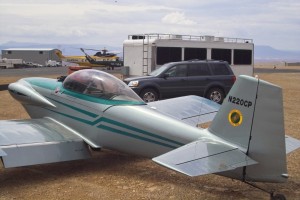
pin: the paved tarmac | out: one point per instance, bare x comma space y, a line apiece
64, 70
33, 71
28, 72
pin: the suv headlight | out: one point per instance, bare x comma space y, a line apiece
133, 83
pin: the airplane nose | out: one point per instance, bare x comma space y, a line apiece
15, 90
25, 94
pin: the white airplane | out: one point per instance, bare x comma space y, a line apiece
90, 108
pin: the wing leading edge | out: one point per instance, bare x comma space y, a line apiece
38, 141
204, 157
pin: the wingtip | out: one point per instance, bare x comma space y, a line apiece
2, 153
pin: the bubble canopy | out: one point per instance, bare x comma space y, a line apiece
95, 83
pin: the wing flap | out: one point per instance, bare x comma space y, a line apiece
200, 158
38, 141
191, 110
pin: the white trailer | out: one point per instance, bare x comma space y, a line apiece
145, 52
10, 63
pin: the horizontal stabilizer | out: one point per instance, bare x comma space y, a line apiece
200, 158
291, 144
191, 110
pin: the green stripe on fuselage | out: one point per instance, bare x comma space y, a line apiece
134, 136
139, 130
77, 109
121, 125
92, 123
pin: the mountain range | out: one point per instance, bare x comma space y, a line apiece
261, 52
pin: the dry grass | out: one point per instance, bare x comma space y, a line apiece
111, 175
9, 107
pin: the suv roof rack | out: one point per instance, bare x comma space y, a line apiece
207, 60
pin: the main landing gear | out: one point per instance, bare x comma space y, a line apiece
271, 193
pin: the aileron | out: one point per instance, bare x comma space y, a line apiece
38, 141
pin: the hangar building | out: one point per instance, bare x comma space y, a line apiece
34, 55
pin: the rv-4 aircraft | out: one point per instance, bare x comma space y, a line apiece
101, 56
245, 140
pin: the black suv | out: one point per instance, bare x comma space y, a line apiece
211, 79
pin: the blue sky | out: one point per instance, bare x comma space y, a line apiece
274, 23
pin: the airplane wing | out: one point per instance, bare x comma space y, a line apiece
204, 156
291, 144
38, 141
191, 110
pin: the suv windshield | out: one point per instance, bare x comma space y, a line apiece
160, 69
99, 84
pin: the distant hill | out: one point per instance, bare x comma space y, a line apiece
261, 53
269, 53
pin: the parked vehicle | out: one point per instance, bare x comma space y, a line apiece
208, 78
31, 64
53, 63
10, 63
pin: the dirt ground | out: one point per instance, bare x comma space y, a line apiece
113, 175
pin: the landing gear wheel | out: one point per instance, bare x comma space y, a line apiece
149, 95
278, 197
215, 94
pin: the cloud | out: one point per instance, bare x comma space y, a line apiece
268, 22
177, 18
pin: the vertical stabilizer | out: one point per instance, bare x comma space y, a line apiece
59, 54
234, 120
251, 117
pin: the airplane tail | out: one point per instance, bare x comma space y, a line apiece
250, 143
59, 54
251, 117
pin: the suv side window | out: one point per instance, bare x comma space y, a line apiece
198, 69
177, 71
219, 69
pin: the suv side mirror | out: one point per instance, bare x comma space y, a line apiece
166, 75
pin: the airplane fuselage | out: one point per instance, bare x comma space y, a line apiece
135, 128
95, 108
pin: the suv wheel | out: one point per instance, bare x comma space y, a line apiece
215, 94
149, 95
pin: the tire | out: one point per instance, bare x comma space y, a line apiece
278, 197
216, 94
149, 95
